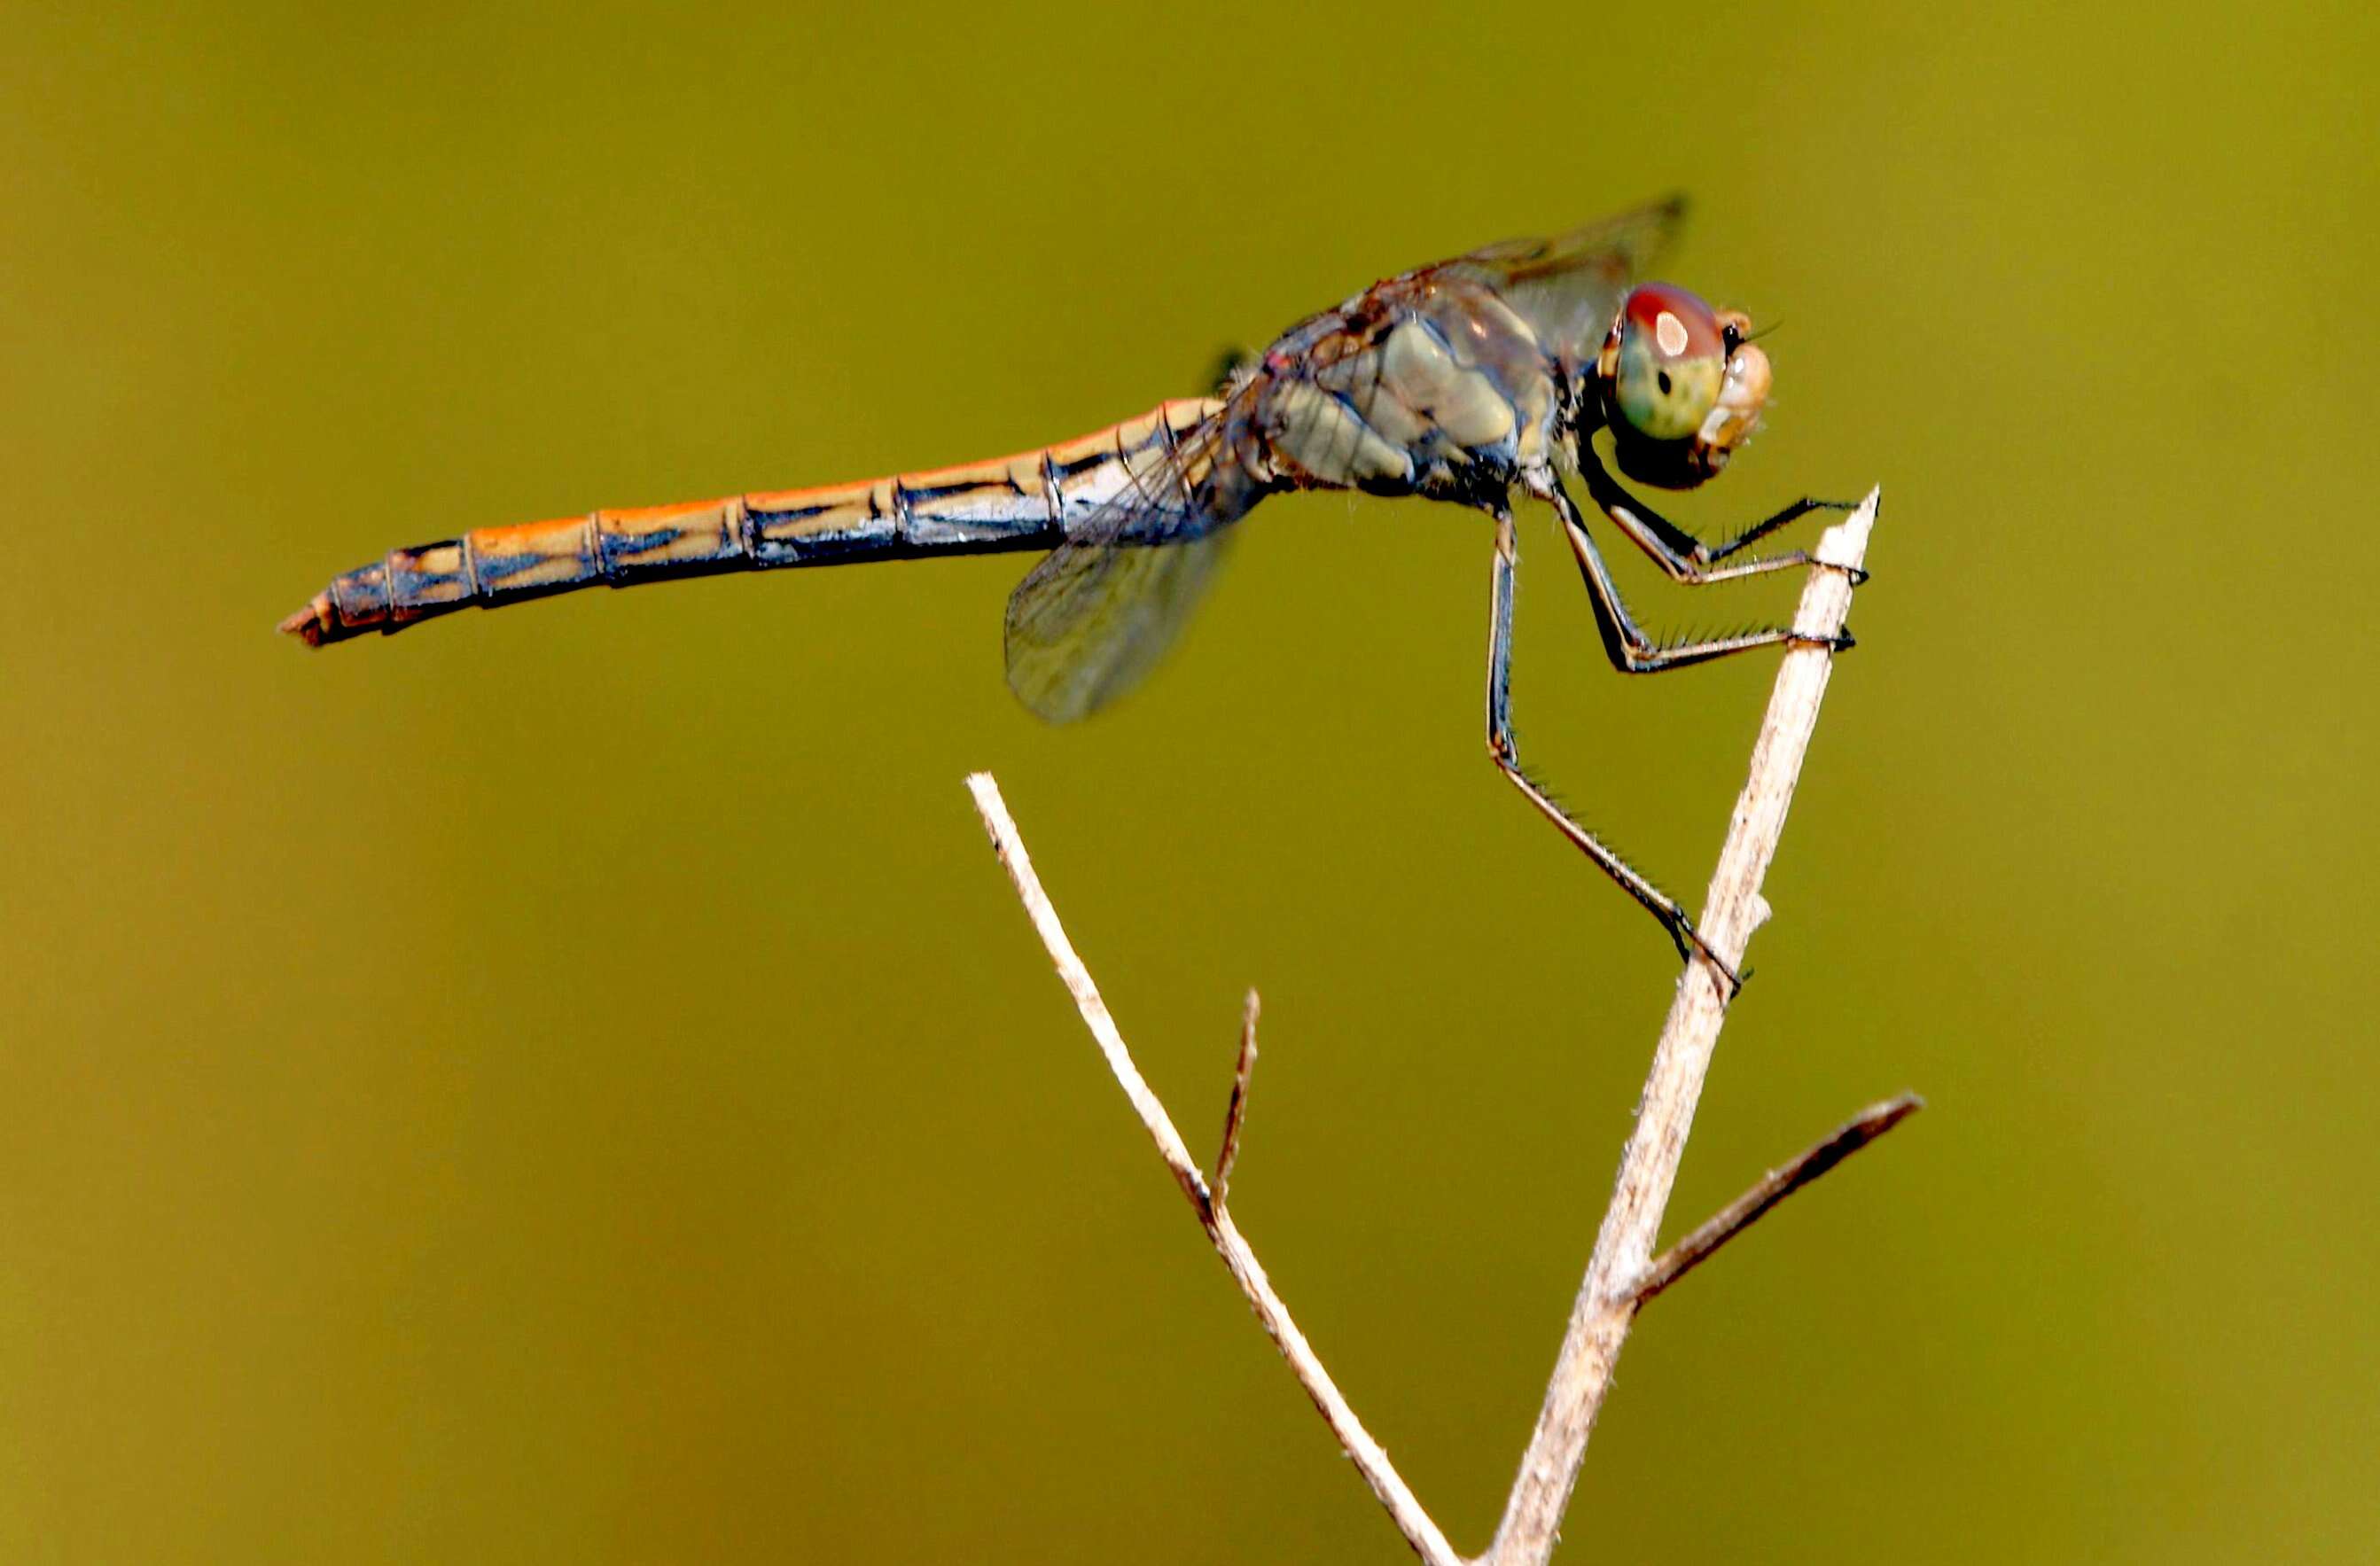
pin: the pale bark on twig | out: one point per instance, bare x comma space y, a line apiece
1648, 1166
1621, 1273
1367, 1455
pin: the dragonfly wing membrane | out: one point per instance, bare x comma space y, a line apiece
1568, 286
1089, 622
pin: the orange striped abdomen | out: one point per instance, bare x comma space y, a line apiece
1015, 503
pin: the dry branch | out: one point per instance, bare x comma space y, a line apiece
1648, 1166
1621, 1273
1235, 1115
1770, 1189
1367, 1454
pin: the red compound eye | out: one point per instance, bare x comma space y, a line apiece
1662, 365
1672, 324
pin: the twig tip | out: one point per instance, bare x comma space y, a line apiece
1891, 1112
1845, 544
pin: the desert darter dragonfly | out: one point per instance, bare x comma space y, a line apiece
1471, 381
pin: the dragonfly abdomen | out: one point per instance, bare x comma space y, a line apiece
1015, 503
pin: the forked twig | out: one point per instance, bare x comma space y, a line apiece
1621, 1273
1367, 1455
1665, 1115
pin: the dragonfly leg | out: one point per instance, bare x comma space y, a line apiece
1685, 557
1506, 755
1630, 650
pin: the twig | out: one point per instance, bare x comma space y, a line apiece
1648, 1168
1237, 1111
1367, 1454
1620, 1274
1772, 1188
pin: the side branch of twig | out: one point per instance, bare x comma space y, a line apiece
1365, 1453
1648, 1166
1235, 1113
1772, 1188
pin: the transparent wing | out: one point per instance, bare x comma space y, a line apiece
1096, 616
1569, 286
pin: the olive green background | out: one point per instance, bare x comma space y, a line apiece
572, 1084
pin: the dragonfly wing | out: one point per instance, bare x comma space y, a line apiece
1089, 624
1568, 286
1095, 616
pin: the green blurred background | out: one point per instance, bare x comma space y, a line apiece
572, 1084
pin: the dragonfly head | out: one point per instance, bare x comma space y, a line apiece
1681, 385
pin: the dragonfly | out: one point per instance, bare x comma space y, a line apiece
1477, 382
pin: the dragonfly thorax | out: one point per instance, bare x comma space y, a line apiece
1436, 391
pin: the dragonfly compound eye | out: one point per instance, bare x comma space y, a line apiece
1663, 363
1682, 385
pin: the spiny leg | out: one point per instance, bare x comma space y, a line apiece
1685, 557
1506, 755
1630, 650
